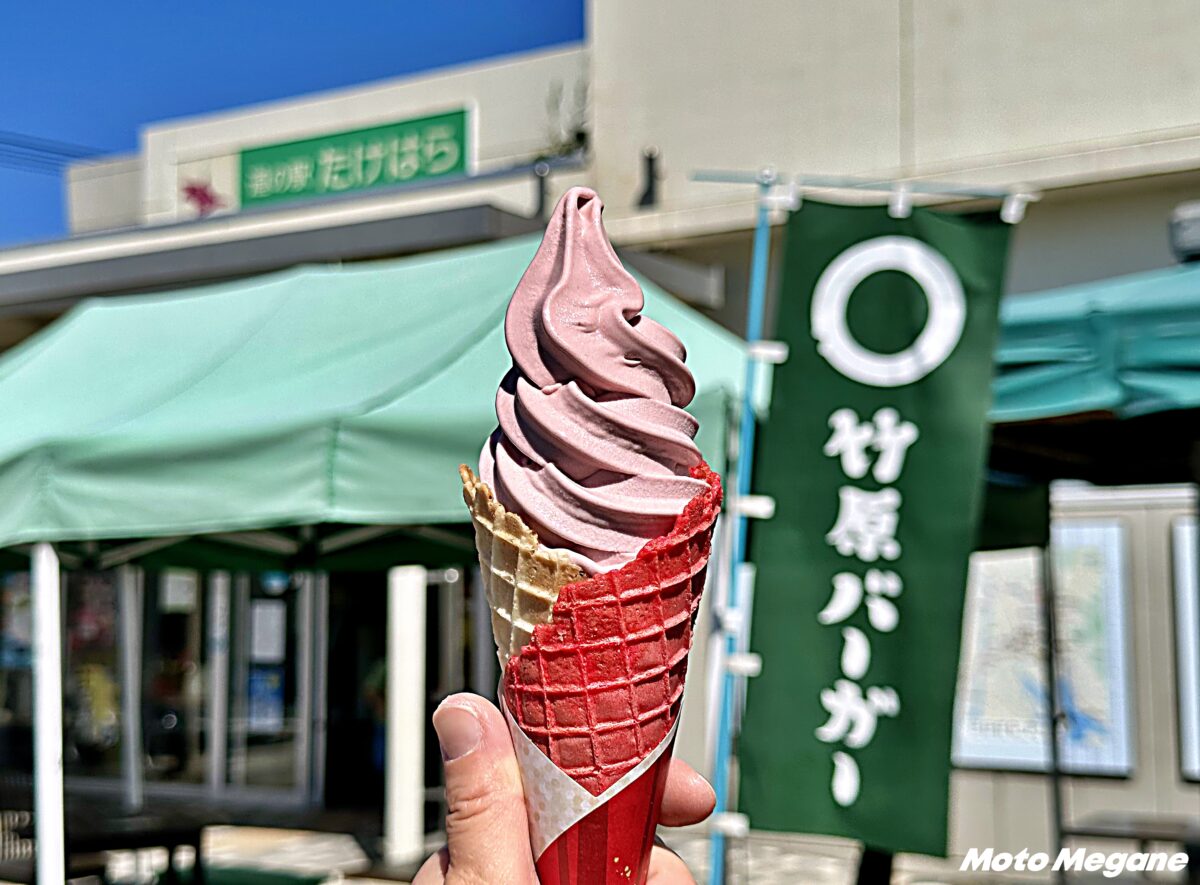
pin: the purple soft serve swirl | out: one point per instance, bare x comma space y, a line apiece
594, 447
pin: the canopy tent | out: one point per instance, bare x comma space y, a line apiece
1101, 381
321, 395
301, 420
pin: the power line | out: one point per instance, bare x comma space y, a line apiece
33, 162
32, 153
47, 145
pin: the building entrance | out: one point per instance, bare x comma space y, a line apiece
356, 711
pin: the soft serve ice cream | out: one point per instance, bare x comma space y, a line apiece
594, 449
593, 523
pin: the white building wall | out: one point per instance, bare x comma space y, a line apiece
104, 195
998, 92
511, 103
1081, 234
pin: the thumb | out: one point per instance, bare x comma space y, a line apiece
487, 833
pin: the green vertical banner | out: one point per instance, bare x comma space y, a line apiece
874, 452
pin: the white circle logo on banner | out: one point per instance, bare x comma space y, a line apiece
943, 327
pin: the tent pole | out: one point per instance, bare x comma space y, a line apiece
48, 796
129, 586
1053, 715
404, 764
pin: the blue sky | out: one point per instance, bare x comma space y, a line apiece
90, 73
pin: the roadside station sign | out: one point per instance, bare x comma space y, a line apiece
356, 160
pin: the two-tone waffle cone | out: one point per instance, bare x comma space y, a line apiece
596, 666
521, 578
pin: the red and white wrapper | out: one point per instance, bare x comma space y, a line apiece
580, 838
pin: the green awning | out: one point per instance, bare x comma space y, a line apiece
343, 395
1127, 346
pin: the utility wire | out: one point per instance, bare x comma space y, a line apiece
21, 159
47, 156
47, 145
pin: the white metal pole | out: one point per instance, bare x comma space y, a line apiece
47, 716
129, 584
404, 768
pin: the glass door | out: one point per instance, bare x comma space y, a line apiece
271, 667
175, 693
216, 697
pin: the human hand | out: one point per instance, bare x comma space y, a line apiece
487, 833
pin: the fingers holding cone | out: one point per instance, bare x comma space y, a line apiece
487, 832
687, 798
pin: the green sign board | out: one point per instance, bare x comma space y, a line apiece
396, 153
874, 452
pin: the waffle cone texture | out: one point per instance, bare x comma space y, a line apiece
593, 667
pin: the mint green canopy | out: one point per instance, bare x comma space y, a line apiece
344, 395
1128, 346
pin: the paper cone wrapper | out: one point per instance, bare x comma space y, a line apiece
593, 680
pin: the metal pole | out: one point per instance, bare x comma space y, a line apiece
47, 716
304, 686
745, 460
240, 645
451, 618
129, 583
1053, 715
219, 643
320, 715
483, 648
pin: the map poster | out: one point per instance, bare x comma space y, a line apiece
1001, 708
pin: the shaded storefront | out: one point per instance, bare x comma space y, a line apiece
251, 491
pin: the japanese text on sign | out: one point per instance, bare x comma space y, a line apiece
394, 154
865, 529
867, 520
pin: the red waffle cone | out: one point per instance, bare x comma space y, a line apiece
594, 683
599, 686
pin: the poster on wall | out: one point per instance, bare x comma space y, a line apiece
268, 631
266, 703
1000, 711
16, 621
1184, 540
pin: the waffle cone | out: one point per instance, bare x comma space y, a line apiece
521, 577
595, 667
